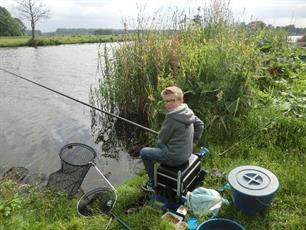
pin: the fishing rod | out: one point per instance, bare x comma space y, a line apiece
81, 102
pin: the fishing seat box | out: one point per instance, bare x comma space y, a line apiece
178, 179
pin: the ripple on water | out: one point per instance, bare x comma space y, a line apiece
35, 123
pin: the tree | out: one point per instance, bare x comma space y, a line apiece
20, 26
10, 26
257, 24
32, 11
197, 19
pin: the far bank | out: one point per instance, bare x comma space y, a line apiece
58, 40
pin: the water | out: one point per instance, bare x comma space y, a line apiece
36, 123
295, 38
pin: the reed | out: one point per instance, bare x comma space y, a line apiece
215, 60
209, 58
247, 84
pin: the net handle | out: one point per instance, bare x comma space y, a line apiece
119, 220
94, 165
112, 187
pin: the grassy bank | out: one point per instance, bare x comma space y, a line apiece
25, 207
57, 40
248, 86
246, 83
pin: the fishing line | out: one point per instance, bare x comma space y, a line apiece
121, 118
81, 102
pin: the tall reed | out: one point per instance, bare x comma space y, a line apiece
209, 55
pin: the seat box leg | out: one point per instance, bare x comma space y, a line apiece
178, 187
155, 174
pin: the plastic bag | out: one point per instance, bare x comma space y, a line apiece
204, 201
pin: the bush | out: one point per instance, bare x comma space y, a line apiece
220, 65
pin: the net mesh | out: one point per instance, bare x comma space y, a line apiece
96, 202
76, 160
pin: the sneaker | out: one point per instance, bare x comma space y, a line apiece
148, 187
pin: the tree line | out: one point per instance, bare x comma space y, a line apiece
33, 11
10, 26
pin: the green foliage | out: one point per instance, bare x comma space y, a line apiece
10, 204
211, 64
56, 40
26, 207
224, 69
33, 208
246, 82
271, 128
13, 41
10, 26
287, 165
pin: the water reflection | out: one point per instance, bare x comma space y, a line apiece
35, 123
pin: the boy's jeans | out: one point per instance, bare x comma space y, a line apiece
149, 156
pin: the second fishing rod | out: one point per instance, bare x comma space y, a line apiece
81, 102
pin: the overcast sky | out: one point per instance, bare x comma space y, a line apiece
112, 13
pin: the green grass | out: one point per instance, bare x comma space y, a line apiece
241, 81
14, 41
24, 207
287, 209
57, 40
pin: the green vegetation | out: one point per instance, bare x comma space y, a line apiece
14, 41
227, 72
32, 11
246, 82
10, 26
24, 207
292, 30
56, 40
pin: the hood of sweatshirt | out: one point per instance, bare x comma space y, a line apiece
182, 114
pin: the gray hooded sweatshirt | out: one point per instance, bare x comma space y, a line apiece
180, 129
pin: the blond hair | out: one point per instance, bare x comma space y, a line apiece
176, 91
